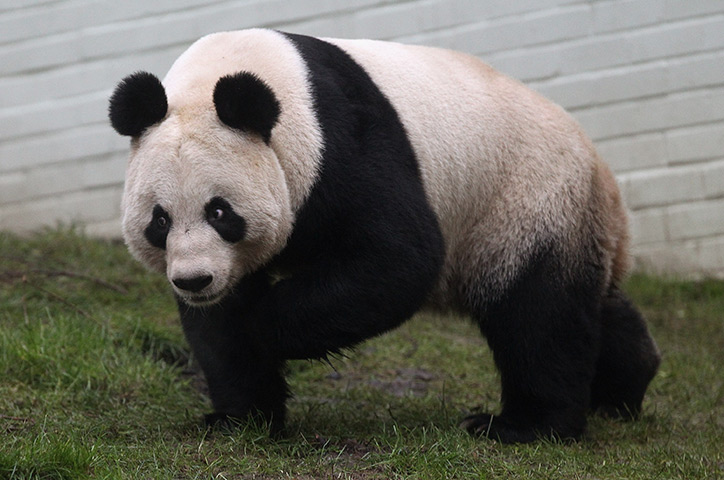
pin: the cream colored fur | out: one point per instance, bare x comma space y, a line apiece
503, 168
191, 157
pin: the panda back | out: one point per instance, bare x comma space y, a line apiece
505, 170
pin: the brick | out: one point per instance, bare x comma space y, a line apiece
14, 5
713, 173
81, 79
66, 177
605, 87
697, 143
64, 146
711, 256
644, 45
664, 186
78, 207
13, 187
696, 71
635, 152
109, 229
343, 27
607, 51
694, 258
21, 24
495, 9
674, 9
649, 226
698, 219
626, 15
634, 82
48, 116
655, 114
41, 53
672, 258
547, 27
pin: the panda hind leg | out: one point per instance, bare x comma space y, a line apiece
628, 359
544, 337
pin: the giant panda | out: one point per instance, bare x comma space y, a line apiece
305, 194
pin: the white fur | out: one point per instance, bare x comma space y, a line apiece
503, 168
191, 157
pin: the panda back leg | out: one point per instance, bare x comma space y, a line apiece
544, 336
628, 359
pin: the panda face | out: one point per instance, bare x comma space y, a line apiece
203, 209
223, 151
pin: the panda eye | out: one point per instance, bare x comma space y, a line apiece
216, 214
222, 217
158, 228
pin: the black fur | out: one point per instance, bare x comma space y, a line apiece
365, 251
544, 336
138, 102
561, 350
157, 230
243, 101
627, 361
245, 377
220, 215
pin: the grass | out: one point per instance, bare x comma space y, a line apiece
96, 381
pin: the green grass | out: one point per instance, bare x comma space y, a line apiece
96, 381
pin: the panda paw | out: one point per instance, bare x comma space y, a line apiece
506, 431
622, 412
226, 423
219, 421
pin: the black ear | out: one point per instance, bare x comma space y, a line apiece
138, 102
243, 101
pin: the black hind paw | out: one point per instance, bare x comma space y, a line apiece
618, 412
506, 431
496, 428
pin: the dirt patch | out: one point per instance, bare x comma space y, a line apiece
400, 382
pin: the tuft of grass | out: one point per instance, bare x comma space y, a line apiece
96, 381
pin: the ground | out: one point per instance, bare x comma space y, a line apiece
97, 381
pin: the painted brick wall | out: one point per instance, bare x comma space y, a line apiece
644, 77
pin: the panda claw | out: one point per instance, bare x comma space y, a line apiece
477, 425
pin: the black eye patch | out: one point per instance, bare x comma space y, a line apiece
229, 225
158, 228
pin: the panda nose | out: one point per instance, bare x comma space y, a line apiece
194, 284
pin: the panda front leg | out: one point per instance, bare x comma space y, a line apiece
372, 276
544, 334
245, 379
339, 302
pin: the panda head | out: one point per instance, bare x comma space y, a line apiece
205, 200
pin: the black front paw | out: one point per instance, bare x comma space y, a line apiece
255, 419
221, 421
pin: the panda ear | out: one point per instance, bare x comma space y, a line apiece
138, 102
243, 101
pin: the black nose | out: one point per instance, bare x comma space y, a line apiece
194, 284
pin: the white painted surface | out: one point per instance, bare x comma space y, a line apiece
644, 77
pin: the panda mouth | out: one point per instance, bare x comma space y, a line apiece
203, 300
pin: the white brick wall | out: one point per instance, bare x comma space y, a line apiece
644, 77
